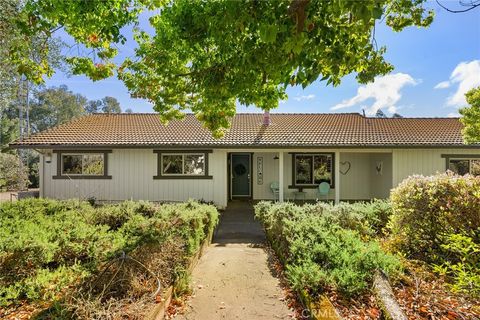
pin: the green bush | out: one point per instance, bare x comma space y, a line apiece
426, 209
12, 175
463, 265
325, 245
47, 245
437, 220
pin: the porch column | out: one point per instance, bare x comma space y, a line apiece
280, 177
337, 177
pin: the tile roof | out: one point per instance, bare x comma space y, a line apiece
286, 130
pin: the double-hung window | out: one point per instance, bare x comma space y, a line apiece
311, 169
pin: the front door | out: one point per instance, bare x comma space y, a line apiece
240, 175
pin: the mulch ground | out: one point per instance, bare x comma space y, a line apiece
128, 294
421, 294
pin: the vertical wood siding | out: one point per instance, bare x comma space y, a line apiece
359, 183
381, 184
270, 174
132, 174
407, 162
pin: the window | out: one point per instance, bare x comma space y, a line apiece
464, 166
182, 165
312, 169
82, 164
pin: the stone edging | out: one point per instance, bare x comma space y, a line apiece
158, 312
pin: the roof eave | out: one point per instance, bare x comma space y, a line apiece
240, 146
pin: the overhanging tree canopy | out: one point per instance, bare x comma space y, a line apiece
207, 55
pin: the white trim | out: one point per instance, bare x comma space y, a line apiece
337, 177
41, 174
280, 177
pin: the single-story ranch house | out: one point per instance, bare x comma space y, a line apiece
287, 156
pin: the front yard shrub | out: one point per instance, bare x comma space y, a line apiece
48, 248
13, 176
427, 209
437, 220
463, 265
324, 245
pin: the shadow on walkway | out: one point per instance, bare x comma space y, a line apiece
238, 225
235, 279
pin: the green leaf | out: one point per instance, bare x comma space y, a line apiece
377, 13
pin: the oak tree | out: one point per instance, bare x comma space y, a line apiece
207, 56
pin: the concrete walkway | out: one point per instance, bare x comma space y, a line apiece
233, 280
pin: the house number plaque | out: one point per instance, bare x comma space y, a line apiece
260, 170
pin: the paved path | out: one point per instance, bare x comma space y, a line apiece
233, 280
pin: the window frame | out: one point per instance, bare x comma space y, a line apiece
183, 153
313, 185
469, 157
61, 175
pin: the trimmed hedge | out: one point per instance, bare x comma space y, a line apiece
325, 245
48, 246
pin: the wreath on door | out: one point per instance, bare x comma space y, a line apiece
240, 169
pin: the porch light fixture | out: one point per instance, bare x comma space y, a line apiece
275, 158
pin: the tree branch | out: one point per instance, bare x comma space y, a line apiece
471, 7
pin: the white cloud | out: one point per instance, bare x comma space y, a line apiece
467, 76
453, 115
385, 91
303, 98
442, 85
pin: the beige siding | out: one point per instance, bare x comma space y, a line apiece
407, 162
355, 183
381, 183
359, 183
362, 181
270, 174
132, 174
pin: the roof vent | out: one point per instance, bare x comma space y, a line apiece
266, 118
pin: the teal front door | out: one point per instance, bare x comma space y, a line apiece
240, 173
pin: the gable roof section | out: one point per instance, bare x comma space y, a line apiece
286, 130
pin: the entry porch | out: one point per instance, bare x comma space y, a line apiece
349, 175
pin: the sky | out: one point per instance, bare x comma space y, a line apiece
434, 67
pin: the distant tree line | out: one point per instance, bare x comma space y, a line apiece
46, 108
381, 114
39, 109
